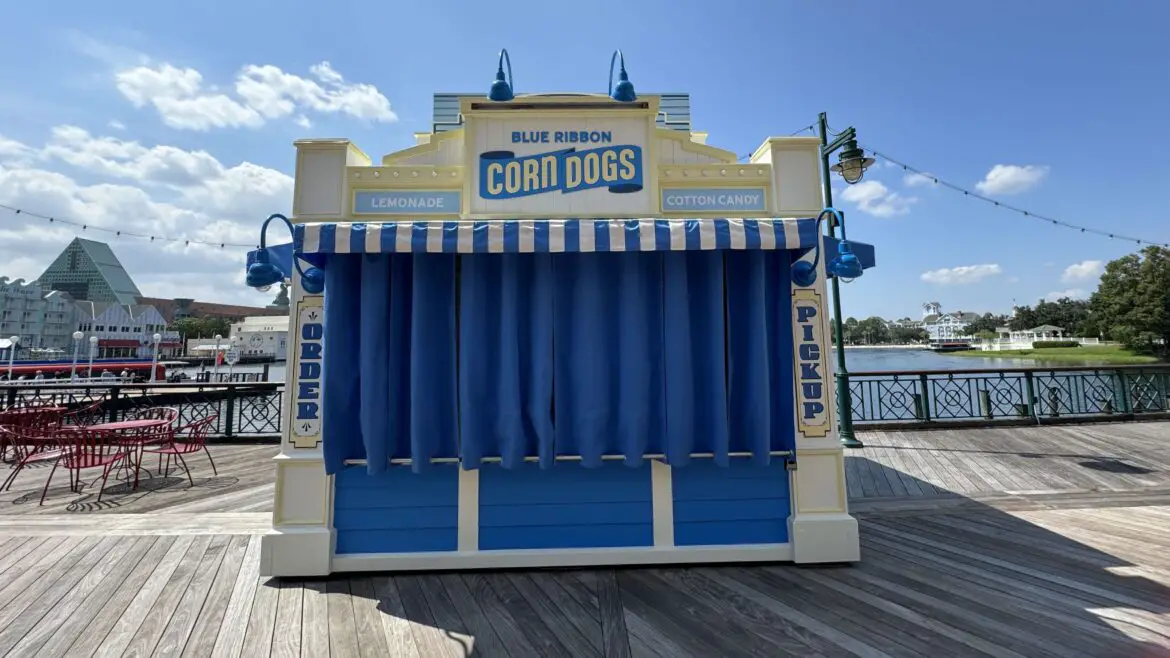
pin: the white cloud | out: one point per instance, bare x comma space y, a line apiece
876, 199
116, 125
154, 190
1011, 179
918, 180
1083, 271
1071, 293
262, 93
961, 275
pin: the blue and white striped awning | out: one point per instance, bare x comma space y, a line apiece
554, 235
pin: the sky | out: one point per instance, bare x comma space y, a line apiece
176, 121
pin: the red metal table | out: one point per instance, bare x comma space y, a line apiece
134, 434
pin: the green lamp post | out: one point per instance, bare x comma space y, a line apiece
851, 164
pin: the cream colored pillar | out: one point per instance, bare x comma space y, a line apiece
820, 528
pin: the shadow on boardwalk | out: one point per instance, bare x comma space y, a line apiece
968, 550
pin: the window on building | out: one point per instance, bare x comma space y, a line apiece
125, 330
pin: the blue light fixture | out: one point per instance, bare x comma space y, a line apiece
624, 91
262, 274
844, 266
501, 88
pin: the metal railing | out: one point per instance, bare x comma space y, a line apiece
909, 398
1009, 394
243, 410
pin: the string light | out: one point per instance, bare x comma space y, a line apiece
1000, 204
121, 233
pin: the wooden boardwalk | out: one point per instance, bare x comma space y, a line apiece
1049, 541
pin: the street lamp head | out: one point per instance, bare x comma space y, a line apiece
14, 339
77, 335
218, 337
852, 162
93, 340
157, 338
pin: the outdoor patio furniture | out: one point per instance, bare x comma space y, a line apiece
82, 448
188, 440
134, 435
31, 432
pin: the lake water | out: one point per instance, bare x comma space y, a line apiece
858, 360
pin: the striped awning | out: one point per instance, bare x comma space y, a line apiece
554, 235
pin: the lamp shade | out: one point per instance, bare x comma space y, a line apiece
846, 265
852, 163
77, 335
502, 87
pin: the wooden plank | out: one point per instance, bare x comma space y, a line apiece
543, 637
1024, 599
445, 614
38, 572
516, 637
315, 619
473, 617
287, 631
788, 637
156, 618
343, 637
262, 618
579, 631
212, 614
60, 625
434, 639
84, 632
1046, 631
396, 626
186, 612
38, 597
614, 636
230, 640
371, 638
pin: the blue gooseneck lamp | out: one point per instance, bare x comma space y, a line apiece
262, 274
624, 91
844, 266
501, 88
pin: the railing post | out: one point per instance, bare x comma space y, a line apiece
230, 412
11, 402
985, 403
1123, 389
1030, 392
924, 401
1053, 401
113, 401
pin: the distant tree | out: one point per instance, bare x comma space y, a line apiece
1072, 315
908, 335
849, 331
987, 322
1132, 302
873, 331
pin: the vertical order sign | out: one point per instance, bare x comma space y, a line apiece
305, 411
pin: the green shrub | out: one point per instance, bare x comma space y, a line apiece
1045, 344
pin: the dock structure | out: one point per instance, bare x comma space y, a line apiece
1037, 541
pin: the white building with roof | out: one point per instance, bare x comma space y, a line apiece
44, 319
127, 330
262, 336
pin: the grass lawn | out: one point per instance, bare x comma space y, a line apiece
1109, 354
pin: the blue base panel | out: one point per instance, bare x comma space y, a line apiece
565, 507
740, 504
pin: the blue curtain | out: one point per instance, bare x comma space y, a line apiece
608, 355
506, 358
537, 355
759, 352
392, 393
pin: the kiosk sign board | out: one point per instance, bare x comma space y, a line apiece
560, 167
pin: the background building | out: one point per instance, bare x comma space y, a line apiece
89, 270
264, 336
44, 319
126, 331
181, 308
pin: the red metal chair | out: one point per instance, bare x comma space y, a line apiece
185, 441
82, 449
90, 414
32, 433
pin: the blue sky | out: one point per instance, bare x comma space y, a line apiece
180, 121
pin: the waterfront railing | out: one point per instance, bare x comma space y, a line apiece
1008, 395
242, 409
918, 398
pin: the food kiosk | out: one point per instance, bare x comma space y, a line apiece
557, 334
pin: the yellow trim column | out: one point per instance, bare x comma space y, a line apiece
302, 517
820, 528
